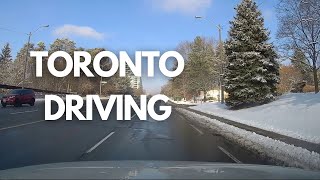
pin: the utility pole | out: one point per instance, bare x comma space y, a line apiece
220, 37
222, 67
100, 92
102, 82
222, 64
26, 61
27, 54
68, 88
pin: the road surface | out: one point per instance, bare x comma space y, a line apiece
27, 139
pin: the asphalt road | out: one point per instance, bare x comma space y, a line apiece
27, 139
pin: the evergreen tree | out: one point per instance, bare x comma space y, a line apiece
5, 53
200, 67
300, 62
252, 72
19, 64
5, 64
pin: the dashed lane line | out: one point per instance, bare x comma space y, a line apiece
198, 130
133, 116
22, 112
99, 143
20, 125
230, 155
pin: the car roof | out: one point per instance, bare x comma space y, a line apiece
22, 90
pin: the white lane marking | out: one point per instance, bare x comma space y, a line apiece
99, 143
91, 167
22, 112
34, 122
199, 131
230, 155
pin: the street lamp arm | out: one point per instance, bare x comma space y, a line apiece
45, 26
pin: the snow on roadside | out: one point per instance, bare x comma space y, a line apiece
294, 115
185, 102
291, 155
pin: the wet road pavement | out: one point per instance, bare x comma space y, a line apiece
27, 139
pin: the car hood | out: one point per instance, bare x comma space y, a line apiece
154, 170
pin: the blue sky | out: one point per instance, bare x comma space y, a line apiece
127, 25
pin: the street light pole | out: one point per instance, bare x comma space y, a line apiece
222, 68
220, 36
222, 65
26, 61
27, 54
100, 86
102, 82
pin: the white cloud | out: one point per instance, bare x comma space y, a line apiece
68, 30
182, 6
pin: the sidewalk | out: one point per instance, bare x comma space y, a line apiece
286, 139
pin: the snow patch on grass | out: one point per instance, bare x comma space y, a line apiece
291, 155
294, 115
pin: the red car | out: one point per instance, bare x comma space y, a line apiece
17, 97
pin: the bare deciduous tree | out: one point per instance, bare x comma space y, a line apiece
300, 28
180, 82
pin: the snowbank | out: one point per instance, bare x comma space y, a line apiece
289, 154
185, 102
295, 115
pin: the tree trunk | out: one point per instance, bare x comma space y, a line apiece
316, 81
204, 96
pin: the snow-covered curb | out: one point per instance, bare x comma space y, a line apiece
289, 154
185, 102
293, 115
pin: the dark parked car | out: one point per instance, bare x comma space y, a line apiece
17, 97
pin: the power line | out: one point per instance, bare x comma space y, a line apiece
11, 30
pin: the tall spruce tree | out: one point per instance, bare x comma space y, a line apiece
5, 64
5, 53
252, 72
